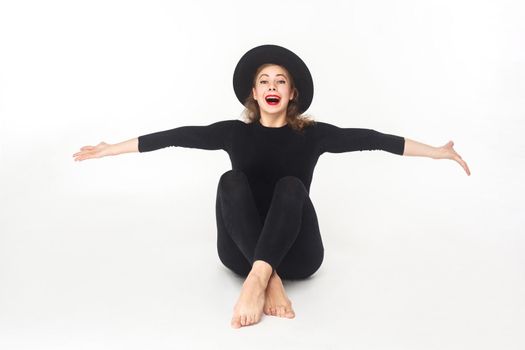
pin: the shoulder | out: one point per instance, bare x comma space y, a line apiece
234, 124
322, 127
227, 122
225, 125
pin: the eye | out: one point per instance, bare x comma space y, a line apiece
282, 81
263, 81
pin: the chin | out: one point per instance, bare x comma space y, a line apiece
274, 110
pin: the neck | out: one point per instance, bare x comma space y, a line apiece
273, 121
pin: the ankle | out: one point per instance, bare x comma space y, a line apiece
275, 276
262, 270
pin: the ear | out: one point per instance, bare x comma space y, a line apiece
254, 94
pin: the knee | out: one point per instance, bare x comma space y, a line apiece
290, 181
233, 183
297, 275
232, 177
290, 186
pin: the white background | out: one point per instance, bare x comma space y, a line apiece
120, 252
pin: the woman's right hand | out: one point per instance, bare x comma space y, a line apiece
98, 151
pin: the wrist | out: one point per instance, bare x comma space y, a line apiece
437, 153
110, 150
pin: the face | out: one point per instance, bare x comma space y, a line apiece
272, 90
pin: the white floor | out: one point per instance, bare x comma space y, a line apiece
410, 263
120, 252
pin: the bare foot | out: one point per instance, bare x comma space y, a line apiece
249, 307
276, 302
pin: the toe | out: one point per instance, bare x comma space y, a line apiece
235, 323
280, 311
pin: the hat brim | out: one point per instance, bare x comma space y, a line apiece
254, 58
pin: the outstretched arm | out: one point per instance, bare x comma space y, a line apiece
104, 149
334, 139
414, 148
210, 137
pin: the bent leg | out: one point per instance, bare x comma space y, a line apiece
307, 253
290, 235
289, 241
238, 222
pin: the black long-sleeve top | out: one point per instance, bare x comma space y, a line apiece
265, 154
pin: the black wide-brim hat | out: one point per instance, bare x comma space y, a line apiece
244, 72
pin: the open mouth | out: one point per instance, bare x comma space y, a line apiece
272, 100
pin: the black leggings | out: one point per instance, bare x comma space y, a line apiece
289, 240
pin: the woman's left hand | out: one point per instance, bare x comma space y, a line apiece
447, 152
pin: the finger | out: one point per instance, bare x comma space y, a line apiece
464, 165
466, 168
78, 154
85, 149
84, 156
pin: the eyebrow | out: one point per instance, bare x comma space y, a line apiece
269, 76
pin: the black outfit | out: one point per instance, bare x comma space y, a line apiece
263, 208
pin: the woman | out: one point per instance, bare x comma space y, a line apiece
267, 227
